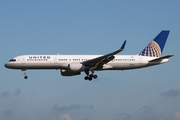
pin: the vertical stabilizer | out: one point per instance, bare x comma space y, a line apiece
155, 47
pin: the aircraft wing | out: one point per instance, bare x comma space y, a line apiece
99, 61
161, 58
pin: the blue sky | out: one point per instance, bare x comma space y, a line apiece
89, 27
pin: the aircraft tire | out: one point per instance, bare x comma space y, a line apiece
95, 76
86, 78
90, 78
25, 77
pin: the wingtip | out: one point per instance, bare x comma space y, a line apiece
171, 55
123, 45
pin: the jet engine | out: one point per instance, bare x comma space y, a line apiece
69, 73
76, 67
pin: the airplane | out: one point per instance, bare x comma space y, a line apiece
71, 65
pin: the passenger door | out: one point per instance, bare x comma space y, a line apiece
23, 60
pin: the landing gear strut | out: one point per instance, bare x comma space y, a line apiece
25, 75
91, 76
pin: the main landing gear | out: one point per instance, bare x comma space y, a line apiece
91, 76
25, 75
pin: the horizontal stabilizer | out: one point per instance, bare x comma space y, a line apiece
161, 58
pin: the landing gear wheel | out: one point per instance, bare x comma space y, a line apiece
25, 77
86, 78
95, 76
90, 78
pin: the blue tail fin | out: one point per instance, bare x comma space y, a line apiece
155, 47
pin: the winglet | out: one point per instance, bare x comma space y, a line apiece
123, 45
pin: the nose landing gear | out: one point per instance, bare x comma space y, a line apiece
25, 75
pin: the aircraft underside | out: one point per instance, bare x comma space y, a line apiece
65, 71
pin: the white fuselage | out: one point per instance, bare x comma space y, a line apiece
120, 62
70, 65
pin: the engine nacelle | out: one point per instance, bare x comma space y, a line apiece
76, 67
69, 73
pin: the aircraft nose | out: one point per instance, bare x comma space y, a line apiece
6, 65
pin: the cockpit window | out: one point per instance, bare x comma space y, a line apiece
12, 60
